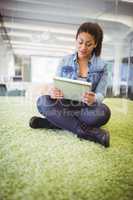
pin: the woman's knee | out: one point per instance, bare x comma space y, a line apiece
106, 113
44, 103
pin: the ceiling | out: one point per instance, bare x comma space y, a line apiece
48, 27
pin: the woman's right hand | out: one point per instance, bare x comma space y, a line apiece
55, 93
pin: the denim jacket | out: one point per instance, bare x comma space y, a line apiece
97, 74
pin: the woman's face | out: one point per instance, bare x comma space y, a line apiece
85, 44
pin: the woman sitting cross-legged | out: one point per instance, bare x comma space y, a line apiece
86, 117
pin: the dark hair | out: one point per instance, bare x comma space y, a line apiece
95, 30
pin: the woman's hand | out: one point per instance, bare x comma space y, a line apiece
89, 98
55, 93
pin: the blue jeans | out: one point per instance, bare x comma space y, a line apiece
71, 115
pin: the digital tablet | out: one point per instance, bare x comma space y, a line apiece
72, 89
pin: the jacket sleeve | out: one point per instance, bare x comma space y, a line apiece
102, 86
59, 68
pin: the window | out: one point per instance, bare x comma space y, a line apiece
43, 69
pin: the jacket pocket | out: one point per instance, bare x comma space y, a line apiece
67, 72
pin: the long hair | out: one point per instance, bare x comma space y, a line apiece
95, 30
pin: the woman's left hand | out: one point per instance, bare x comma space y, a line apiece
89, 98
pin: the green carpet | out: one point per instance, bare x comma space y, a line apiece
55, 165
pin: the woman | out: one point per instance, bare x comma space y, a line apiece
82, 118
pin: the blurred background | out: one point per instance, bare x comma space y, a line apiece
36, 34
